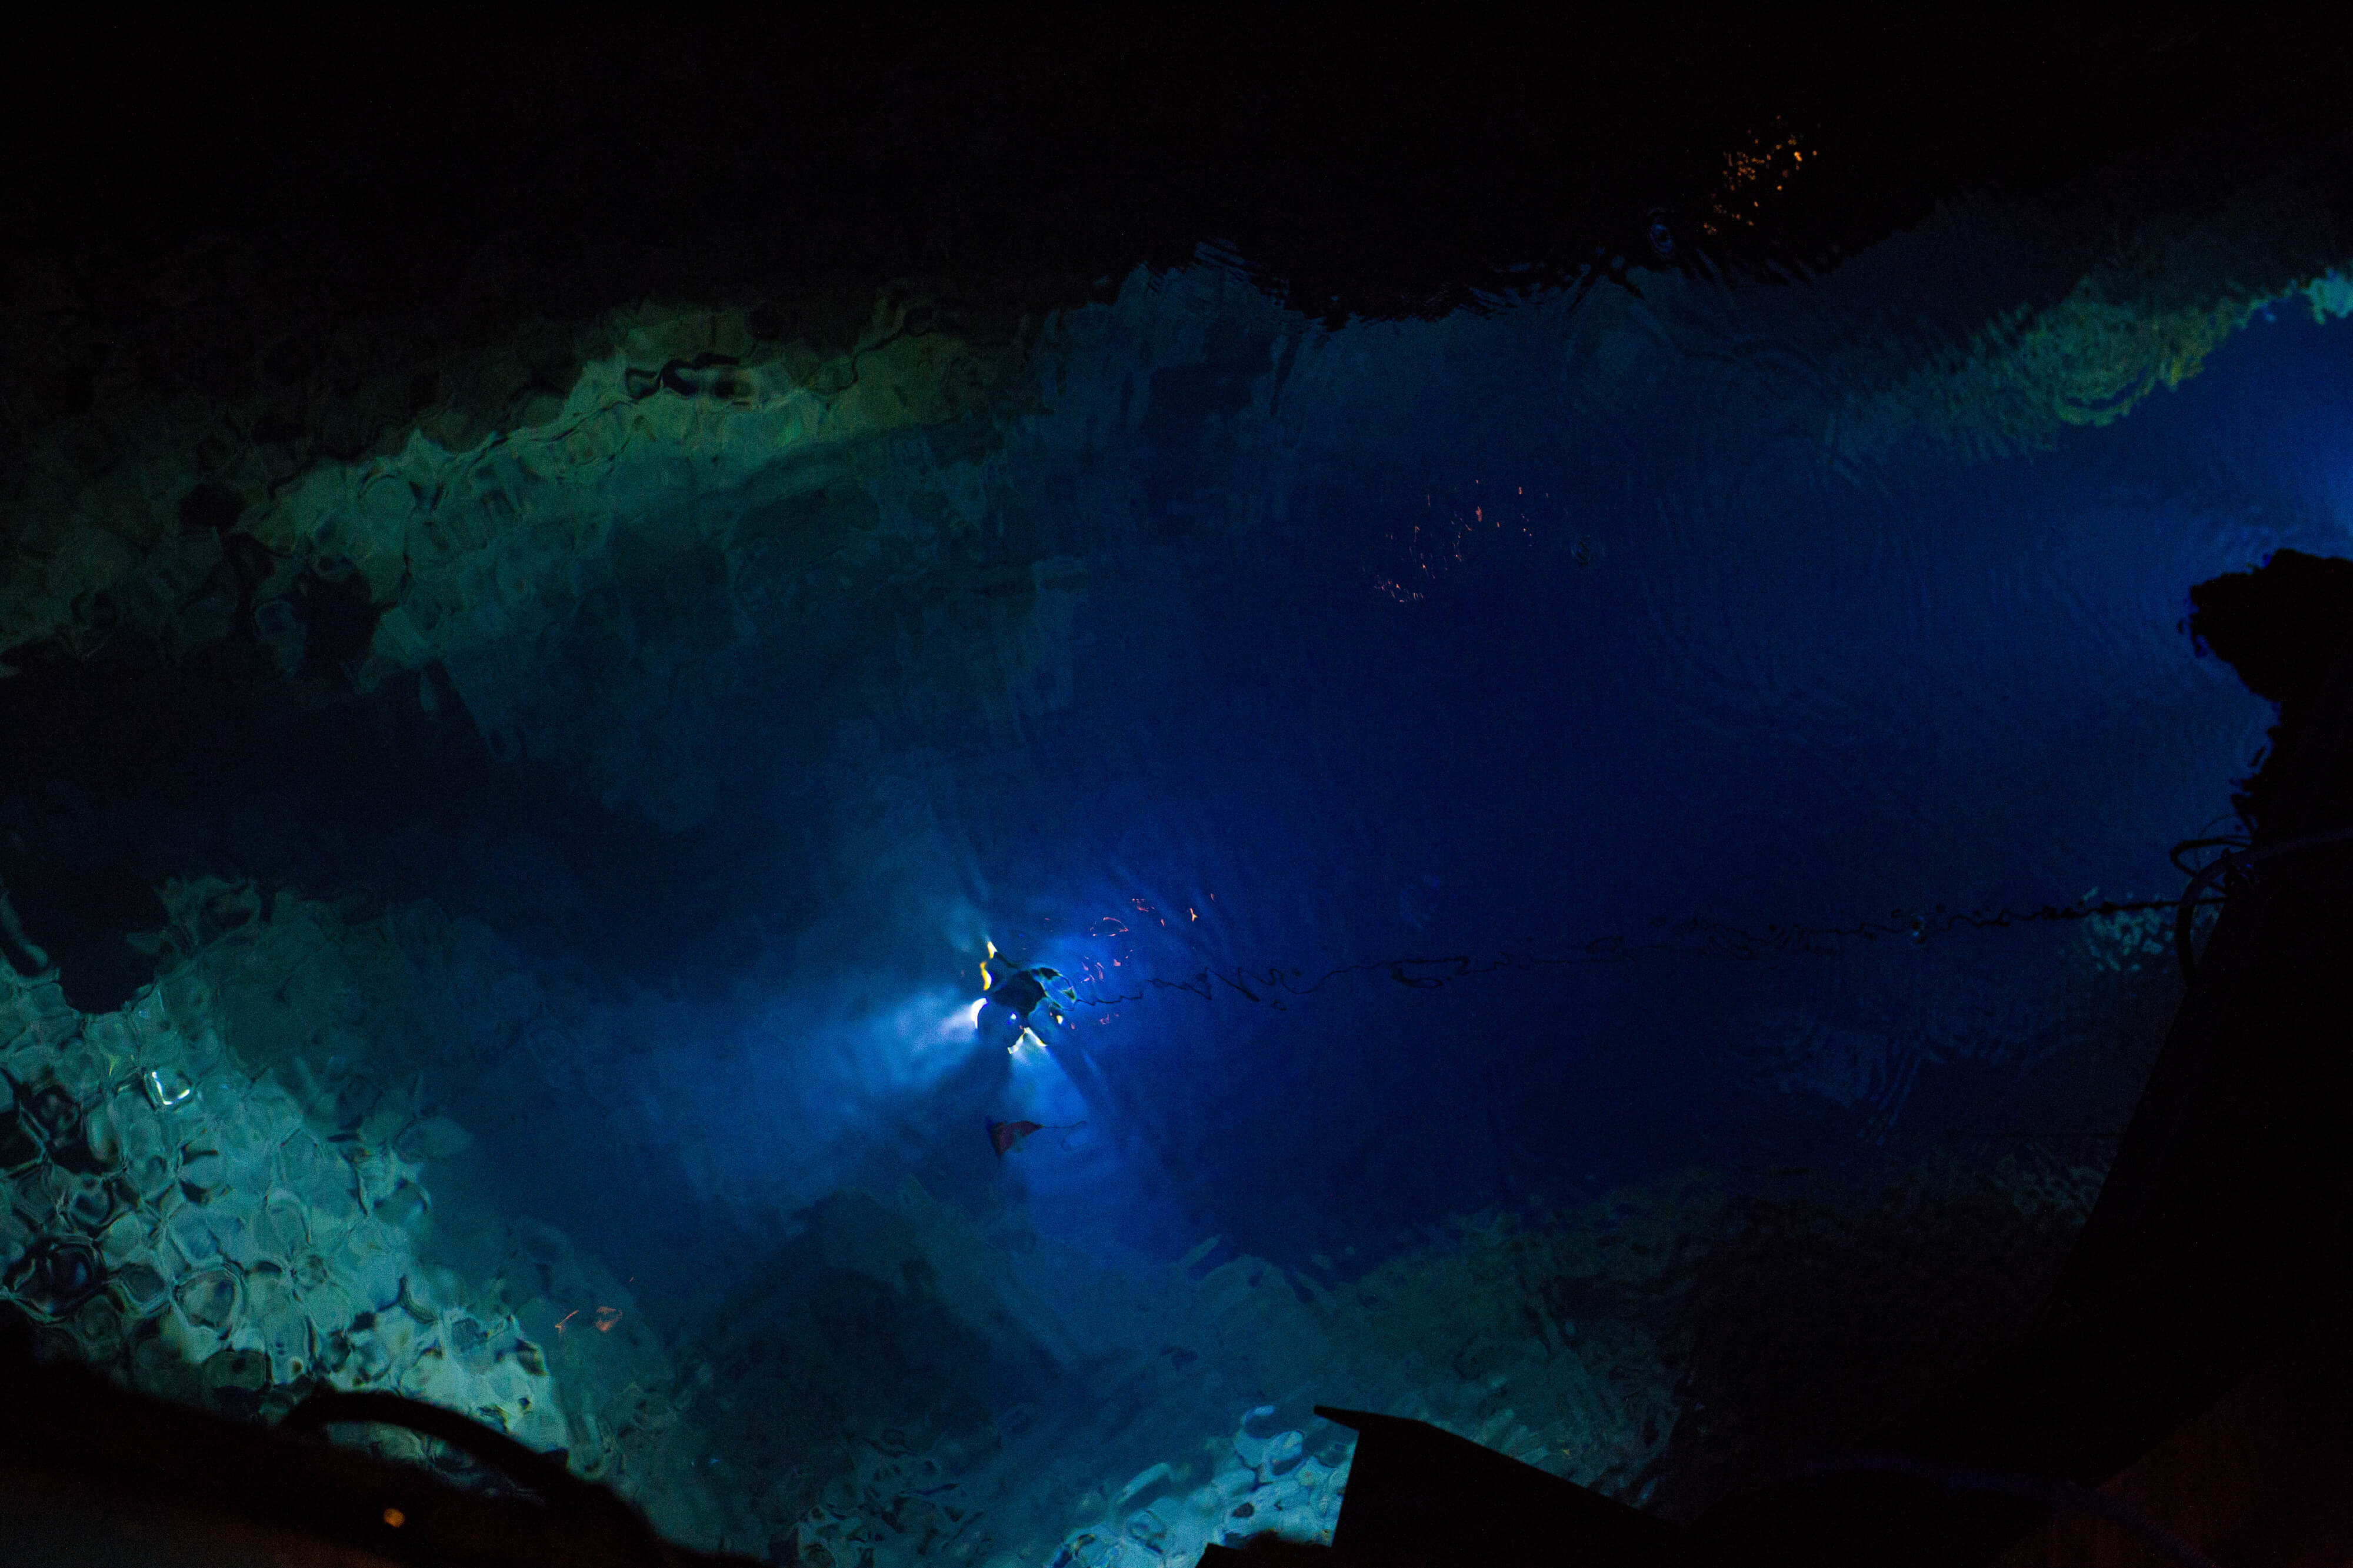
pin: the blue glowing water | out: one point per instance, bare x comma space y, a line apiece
1421, 744
1492, 637
1642, 663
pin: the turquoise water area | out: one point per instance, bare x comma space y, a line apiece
1504, 792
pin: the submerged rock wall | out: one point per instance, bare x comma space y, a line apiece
619, 529
2143, 319
225, 1194
673, 494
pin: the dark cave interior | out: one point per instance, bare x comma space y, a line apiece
355, 234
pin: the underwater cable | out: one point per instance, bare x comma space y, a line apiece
1696, 936
545, 1476
2232, 870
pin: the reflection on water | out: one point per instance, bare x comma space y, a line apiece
1508, 795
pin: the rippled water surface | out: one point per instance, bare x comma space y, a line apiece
1502, 792
1420, 743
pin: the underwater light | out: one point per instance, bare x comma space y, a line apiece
1007, 1007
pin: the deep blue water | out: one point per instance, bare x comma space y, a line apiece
1491, 638
1582, 833
1768, 696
